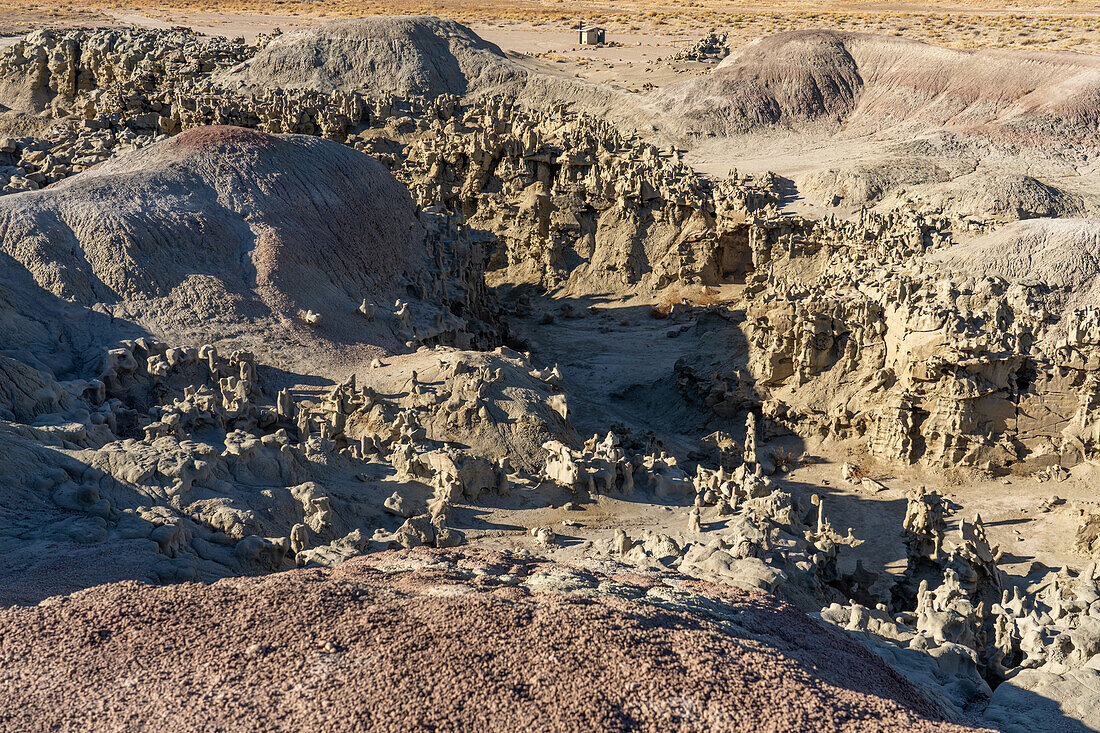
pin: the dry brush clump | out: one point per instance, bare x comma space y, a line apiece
700, 297
784, 459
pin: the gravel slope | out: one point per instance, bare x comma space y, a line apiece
440, 640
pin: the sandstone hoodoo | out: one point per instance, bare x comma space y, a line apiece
375, 371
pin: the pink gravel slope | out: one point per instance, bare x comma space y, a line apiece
440, 640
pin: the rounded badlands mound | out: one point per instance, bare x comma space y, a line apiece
405, 55
427, 640
862, 83
217, 232
1058, 253
857, 119
790, 79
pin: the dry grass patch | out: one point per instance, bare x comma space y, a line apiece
699, 297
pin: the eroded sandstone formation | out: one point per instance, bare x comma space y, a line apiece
331, 365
